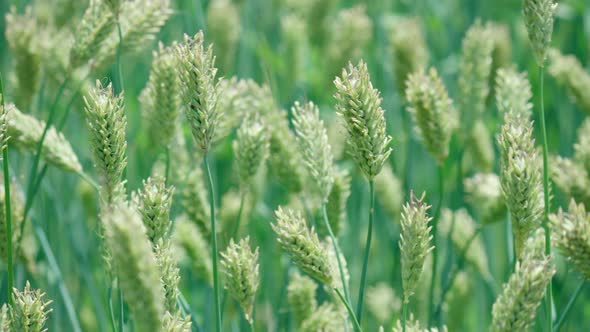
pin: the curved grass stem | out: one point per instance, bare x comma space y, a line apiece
355, 322
337, 251
359, 308
435, 219
214, 245
8, 209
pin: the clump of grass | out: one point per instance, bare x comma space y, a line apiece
516, 307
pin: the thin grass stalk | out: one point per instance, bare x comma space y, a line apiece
111, 311
121, 309
359, 309
8, 210
65, 294
119, 49
167, 168
569, 305
186, 309
355, 322
236, 231
434, 239
404, 315
214, 246
549, 292
337, 251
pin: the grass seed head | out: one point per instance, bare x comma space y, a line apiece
95, 28
251, 149
538, 20
169, 273
513, 93
195, 248
301, 297
484, 193
569, 72
153, 202
223, 23
29, 311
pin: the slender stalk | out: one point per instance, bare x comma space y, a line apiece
404, 315
119, 51
167, 169
549, 291
8, 209
111, 310
86, 178
214, 242
434, 239
359, 308
236, 231
121, 309
355, 322
569, 305
337, 251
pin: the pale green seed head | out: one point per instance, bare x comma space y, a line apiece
106, 121
200, 89
176, 323
312, 139
389, 192
294, 45
303, 245
571, 236
160, 99
29, 311
513, 93
521, 177
135, 265
153, 202
569, 73
432, 111
359, 106
195, 202
538, 20
242, 278
223, 26
407, 43
301, 297
484, 193
571, 178
326, 318
251, 149
17, 205
194, 247
582, 145
479, 152
95, 28
382, 302
169, 272
516, 307
414, 325
414, 242
336, 204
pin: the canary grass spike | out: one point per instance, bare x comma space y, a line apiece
17, 207
97, 24
223, 23
303, 245
301, 297
408, 48
582, 145
538, 20
195, 248
242, 278
312, 139
431, 109
484, 193
359, 105
479, 153
350, 33
569, 72
200, 89
521, 177
474, 73
160, 99
135, 265
571, 236
326, 318
516, 307
513, 93
29, 311
414, 325
251, 148
23, 39
571, 178
389, 192
176, 323
194, 201
336, 204
153, 202
414, 242
169, 272
382, 302
106, 120
25, 131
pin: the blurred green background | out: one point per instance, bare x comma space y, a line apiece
67, 209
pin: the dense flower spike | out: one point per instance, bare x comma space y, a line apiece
195, 202
135, 265
200, 89
25, 131
153, 202
350, 33
29, 311
312, 139
17, 206
569, 72
251, 148
240, 265
582, 145
414, 242
3, 124
382, 302
223, 23
336, 204
408, 47
521, 177
96, 26
169, 272
479, 153
571, 178
195, 248
294, 45
359, 105
571, 236
413, 325
431, 109
175, 323
326, 318
301, 297
22, 38
538, 19
484, 193
303, 245
516, 306
160, 99
474, 73
513, 93
106, 120
389, 192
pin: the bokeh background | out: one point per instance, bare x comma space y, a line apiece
67, 207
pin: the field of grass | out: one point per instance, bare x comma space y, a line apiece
319, 171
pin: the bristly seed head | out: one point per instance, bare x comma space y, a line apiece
538, 20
